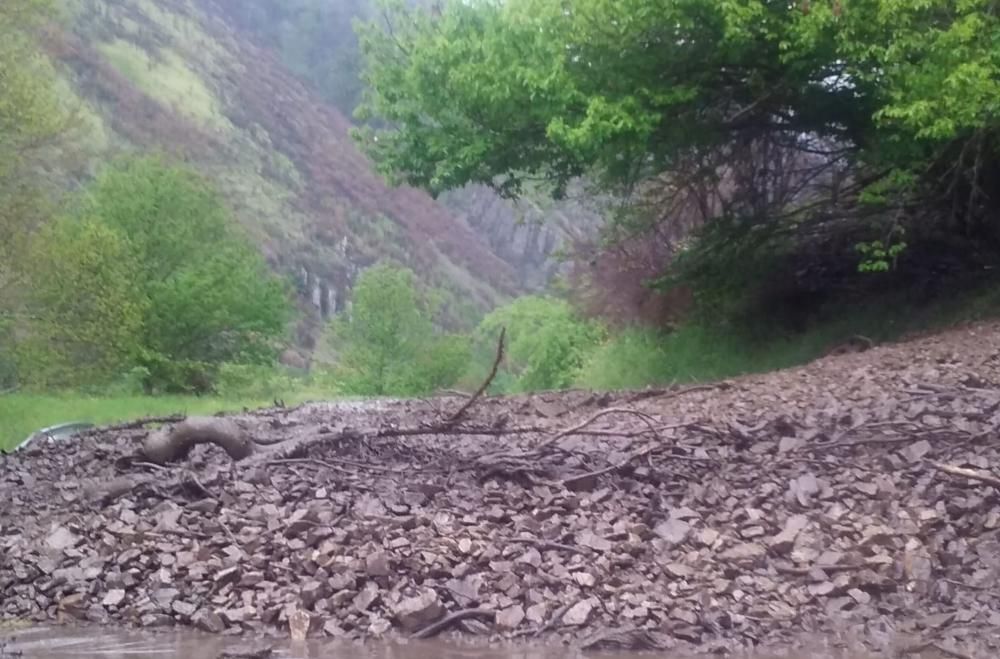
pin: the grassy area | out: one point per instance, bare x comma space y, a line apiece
23, 414
698, 352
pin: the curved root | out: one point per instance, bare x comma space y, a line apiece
168, 444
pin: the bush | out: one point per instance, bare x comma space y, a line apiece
547, 343
153, 273
386, 344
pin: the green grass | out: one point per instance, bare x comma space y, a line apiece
23, 414
697, 352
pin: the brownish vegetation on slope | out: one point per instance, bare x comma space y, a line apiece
315, 137
283, 158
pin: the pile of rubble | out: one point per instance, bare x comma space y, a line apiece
855, 496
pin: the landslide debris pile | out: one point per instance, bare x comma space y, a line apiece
856, 493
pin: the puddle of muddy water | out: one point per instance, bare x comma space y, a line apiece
64, 643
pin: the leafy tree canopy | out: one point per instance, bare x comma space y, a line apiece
30, 118
502, 92
815, 138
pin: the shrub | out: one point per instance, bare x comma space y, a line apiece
547, 343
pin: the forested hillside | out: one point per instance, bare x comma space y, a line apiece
182, 77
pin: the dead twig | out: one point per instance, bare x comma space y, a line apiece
816, 448
486, 383
229, 532
546, 545
648, 420
573, 480
962, 584
666, 394
806, 571
316, 462
453, 392
436, 628
962, 472
553, 621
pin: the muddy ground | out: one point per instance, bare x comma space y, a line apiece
854, 497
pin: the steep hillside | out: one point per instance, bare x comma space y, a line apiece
174, 75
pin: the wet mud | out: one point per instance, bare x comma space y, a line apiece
853, 500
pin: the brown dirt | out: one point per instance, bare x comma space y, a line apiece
858, 493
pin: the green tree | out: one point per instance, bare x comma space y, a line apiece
386, 342
547, 342
85, 311
501, 93
153, 273
210, 297
802, 129
30, 119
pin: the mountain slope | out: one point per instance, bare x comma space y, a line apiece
173, 75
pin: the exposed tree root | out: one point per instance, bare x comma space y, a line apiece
166, 445
436, 628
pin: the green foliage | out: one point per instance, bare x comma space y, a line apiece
85, 310
714, 253
443, 362
883, 111
547, 343
28, 106
527, 86
531, 88
386, 342
152, 273
638, 357
877, 257
703, 350
211, 298
30, 119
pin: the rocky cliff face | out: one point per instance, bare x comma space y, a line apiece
530, 234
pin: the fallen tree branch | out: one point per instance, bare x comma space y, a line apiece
453, 392
962, 472
436, 628
486, 383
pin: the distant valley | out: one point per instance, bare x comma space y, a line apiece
181, 77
